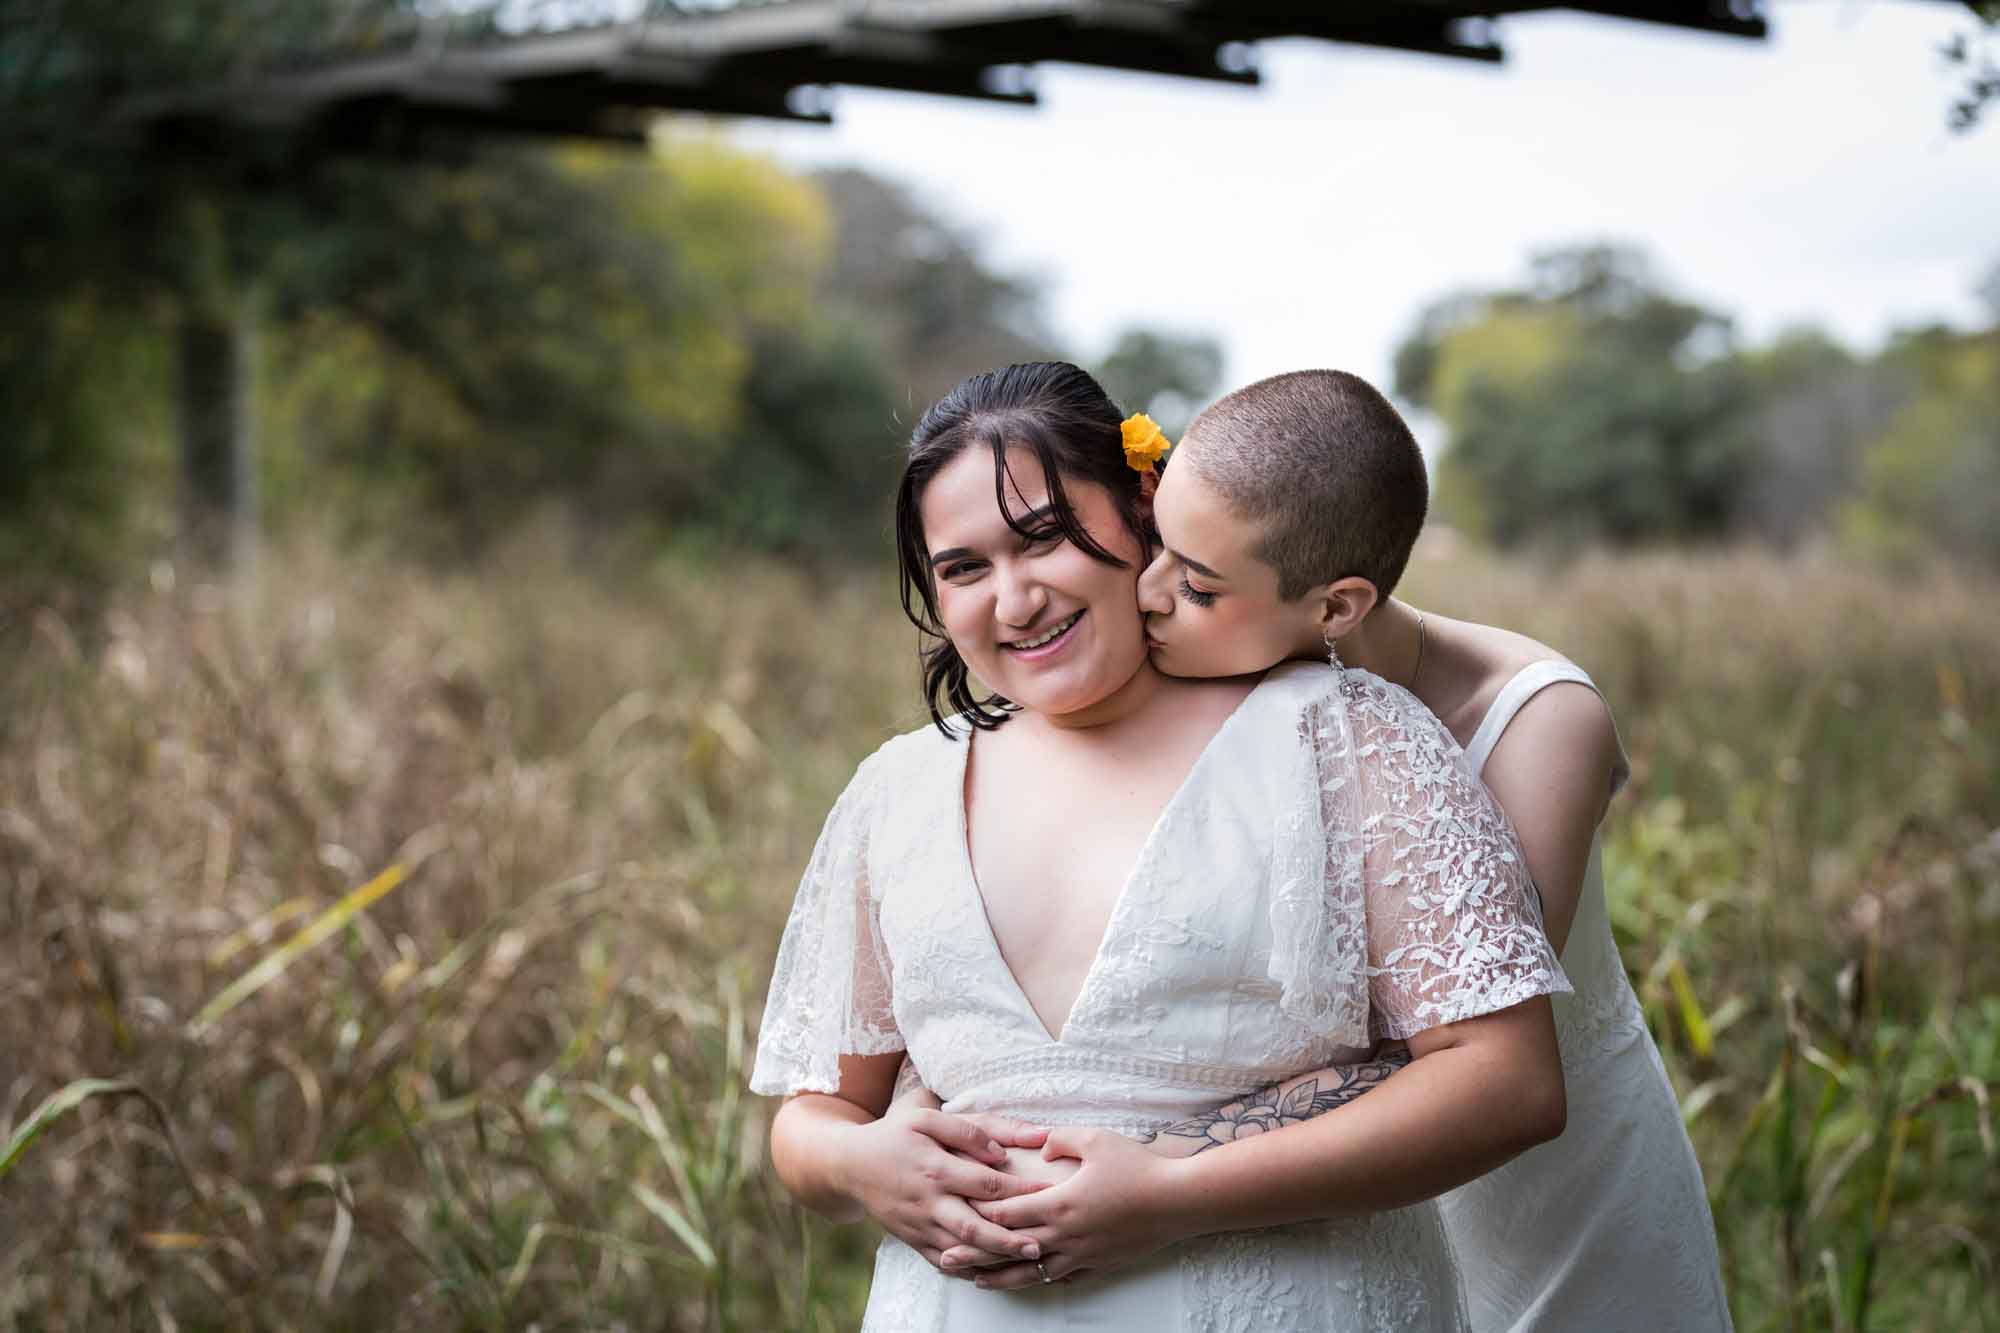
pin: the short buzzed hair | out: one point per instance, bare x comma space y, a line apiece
1326, 467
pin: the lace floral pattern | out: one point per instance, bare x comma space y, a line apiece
1314, 881
832, 970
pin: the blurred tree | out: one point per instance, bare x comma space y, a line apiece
1817, 406
1930, 481
1586, 404
160, 226
938, 309
1168, 376
539, 327
814, 463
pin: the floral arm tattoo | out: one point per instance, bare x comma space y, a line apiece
1290, 1102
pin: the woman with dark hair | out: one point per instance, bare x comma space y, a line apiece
1102, 899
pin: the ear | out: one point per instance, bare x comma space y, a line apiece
1343, 604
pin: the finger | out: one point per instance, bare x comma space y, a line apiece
1015, 1187
966, 1227
1026, 1211
1076, 1273
975, 1183
955, 1131
971, 1256
935, 1258
1008, 1132
1016, 1277
1069, 1141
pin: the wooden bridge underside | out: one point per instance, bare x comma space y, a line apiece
778, 58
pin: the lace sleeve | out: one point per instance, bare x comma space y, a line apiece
830, 988
1453, 927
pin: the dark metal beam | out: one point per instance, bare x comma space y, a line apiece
629, 88
1424, 29
775, 59
1742, 19
946, 76
1181, 52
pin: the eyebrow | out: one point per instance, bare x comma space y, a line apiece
1196, 565
1027, 520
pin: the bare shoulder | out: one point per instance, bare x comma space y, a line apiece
1498, 655
1472, 664
1562, 739
1566, 718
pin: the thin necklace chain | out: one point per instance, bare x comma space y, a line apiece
1421, 637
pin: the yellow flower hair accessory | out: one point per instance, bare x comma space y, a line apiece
1145, 446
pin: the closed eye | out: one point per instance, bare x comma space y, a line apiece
1195, 596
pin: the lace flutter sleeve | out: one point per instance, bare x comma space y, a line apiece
830, 989
1406, 903
1454, 926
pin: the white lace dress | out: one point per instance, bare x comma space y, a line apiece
1330, 872
1606, 1228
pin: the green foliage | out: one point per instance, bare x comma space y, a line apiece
815, 459
535, 328
1931, 481
1588, 404
79, 384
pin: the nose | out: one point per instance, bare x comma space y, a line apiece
1020, 596
1156, 595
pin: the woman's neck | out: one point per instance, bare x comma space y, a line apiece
1389, 642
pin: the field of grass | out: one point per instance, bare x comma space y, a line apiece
383, 951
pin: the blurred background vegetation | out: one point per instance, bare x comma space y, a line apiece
386, 921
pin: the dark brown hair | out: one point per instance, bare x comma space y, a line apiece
1323, 464
1057, 413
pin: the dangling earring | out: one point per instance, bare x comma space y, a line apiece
1348, 686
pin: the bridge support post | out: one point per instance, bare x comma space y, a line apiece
217, 378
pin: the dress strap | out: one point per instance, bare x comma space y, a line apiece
1524, 685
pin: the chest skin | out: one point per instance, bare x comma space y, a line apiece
1056, 825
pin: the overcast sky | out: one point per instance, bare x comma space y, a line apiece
1807, 178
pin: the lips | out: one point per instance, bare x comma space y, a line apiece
1052, 637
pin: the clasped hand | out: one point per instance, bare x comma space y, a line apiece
1114, 1208
918, 1172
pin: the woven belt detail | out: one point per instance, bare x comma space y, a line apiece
1164, 1073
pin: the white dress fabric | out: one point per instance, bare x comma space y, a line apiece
1606, 1228
1330, 872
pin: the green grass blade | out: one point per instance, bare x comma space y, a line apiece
676, 1222
55, 1108
1693, 1021
327, 924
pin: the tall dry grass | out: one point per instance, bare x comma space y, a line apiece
413, 929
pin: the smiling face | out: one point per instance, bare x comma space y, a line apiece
1212, 607
1036, 618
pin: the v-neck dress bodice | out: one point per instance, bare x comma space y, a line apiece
1141, 867
1329, 873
